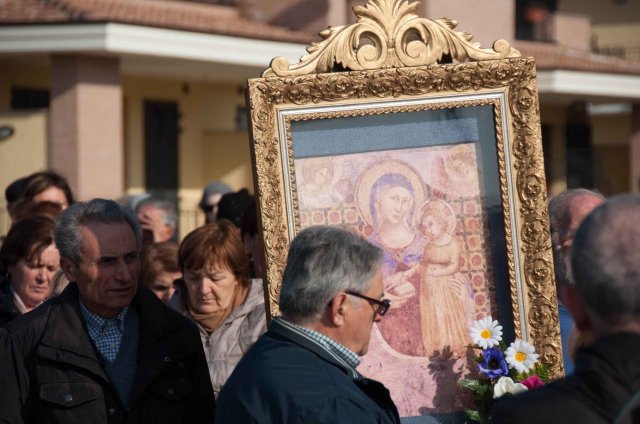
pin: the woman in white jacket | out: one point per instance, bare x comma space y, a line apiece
217, 294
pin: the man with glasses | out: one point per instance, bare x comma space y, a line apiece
303, 370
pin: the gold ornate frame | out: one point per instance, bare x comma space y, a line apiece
389, 62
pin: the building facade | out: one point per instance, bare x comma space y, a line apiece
130, 96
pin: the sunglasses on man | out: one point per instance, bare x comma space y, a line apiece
383, 305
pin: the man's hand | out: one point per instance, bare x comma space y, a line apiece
154, 228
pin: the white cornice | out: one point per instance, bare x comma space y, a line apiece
121, 39
139, 41
589, 84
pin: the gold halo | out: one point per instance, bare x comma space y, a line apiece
440, 206
368, 178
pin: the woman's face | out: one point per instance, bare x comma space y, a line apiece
54, 195
32, 280
163, 285
211, 290
394, 204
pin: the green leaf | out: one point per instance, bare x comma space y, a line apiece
478, 387
475, 415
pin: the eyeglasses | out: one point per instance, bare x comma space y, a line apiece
383, 305
208, 208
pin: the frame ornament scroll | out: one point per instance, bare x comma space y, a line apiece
379, 65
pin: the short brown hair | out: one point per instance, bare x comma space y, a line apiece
40, 181
24, 209
157, 258
25, 240
215, 245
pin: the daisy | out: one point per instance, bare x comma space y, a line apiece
521, 356
486, 333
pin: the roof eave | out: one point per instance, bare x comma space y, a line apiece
124, 39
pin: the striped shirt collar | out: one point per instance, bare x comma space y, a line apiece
344, 355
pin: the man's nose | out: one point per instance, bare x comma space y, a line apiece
123, 272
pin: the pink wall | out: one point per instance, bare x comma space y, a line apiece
86, 131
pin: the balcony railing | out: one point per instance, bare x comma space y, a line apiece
623, 52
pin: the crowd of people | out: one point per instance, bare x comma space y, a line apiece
105, 316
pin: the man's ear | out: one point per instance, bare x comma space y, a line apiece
337, 309
573, 301
69, 268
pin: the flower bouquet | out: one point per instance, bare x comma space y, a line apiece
502, 371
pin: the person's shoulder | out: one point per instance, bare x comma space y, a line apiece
155, 315
27, 329
554, 402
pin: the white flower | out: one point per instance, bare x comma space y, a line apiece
521, 356
506, 385
486, 333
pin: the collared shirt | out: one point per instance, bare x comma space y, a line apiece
346, 355
105, 333
17, 300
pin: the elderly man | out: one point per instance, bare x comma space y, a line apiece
158, 219
604, 301
566, 211
303, 370
105, 350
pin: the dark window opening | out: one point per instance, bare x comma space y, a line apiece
29, 98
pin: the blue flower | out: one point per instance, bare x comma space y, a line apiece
494, 365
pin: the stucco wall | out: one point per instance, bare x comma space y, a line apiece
23, 153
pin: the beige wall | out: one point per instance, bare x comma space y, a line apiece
610, 138
23, 153
611, 135
209, 149
554, 117
486, 20
572, 30
619, 36
14, 73
604, 11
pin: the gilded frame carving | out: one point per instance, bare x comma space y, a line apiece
309, 91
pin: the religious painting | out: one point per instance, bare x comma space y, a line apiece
438, 164
424, 203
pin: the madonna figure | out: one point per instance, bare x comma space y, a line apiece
392, 201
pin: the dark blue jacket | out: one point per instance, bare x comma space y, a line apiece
287, 378
606, 376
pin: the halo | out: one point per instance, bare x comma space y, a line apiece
368, 178
441, 206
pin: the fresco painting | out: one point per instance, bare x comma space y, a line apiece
423, 207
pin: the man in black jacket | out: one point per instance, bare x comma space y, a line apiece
605, 304
303, 369
105, 350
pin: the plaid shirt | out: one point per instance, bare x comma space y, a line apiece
346, 355
105, 333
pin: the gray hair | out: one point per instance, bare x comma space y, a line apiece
67, 233
606, 260
322, 262
167, 208
558, 206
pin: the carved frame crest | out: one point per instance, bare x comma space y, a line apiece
393, 62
